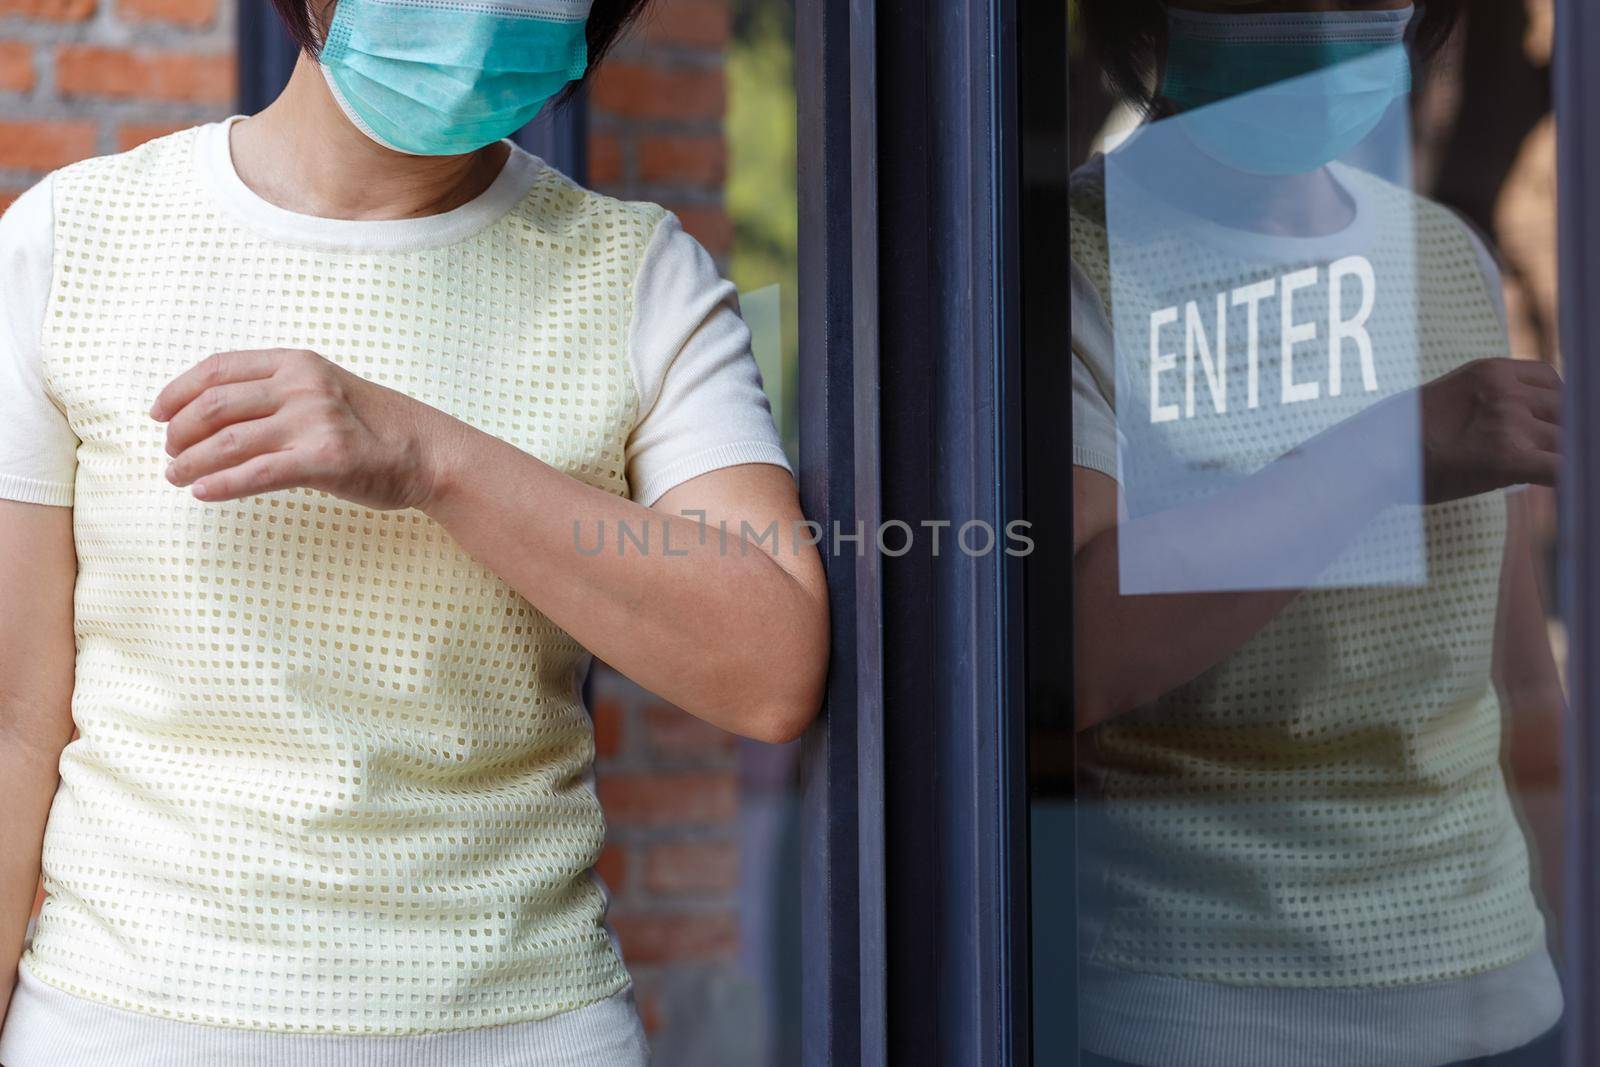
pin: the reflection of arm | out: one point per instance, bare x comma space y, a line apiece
1524, 665
1132, 649
1488, 424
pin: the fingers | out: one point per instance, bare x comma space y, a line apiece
219, 406
217, 369
1545, 437
1536, 468
264, 473
229, 447
1536, 372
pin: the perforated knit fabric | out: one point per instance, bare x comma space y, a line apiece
1325, 808
333, 773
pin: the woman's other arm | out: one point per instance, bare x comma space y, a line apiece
38, 567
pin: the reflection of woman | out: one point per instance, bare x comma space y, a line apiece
312, 423
1306, 853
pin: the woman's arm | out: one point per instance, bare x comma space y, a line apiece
735, 634
1525, 669
38, 567
733, 631
1489, 424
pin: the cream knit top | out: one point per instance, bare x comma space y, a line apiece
333, 774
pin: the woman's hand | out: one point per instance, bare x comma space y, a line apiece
244, 423
1490, 424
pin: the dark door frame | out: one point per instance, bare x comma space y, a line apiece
843, 972
951, 439
1578, 124
915, 815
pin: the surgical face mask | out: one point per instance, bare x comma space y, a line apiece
447, 77
1285, 93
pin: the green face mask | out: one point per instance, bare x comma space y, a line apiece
1285, 93
446, 77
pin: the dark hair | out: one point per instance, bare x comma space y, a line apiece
608, 19
1131, 36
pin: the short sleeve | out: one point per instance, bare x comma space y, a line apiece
701, 402
38, 449
1490, 269
1094, 421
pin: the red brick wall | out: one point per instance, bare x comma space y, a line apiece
83, 77
670, 787
656, 117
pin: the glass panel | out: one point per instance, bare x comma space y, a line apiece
1310, 809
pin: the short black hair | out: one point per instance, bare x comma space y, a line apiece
608, 20
1130, 37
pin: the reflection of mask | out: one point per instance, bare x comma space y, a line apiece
446, 77
1284, 93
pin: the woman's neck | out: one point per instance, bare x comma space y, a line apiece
302, 154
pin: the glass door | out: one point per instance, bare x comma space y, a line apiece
1317, 783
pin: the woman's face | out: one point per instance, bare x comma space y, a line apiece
1261, 7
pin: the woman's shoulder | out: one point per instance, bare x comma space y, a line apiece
100, 186
153, 159
558, 205
1086, 198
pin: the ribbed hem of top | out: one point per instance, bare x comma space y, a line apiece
49, 1027
1095, 460
34, 491
1156, 1021
675, 474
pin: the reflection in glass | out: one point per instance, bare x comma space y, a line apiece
1307, 592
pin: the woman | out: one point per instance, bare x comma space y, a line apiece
1303, 844
336, 438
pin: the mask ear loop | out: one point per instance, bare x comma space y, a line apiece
1413, 27
320, 25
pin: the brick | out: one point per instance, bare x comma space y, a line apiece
692, 867
607, 715
9, 197
17, 73
645, 91
51, 10
689, 24
708, 225
134, 134
664, 799
674, 732
178, 12
698, 159
648, 1003
612, 866
605, 159
677, 937
45, 145
90, 70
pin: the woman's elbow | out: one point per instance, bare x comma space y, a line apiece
785, 712
784, 695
